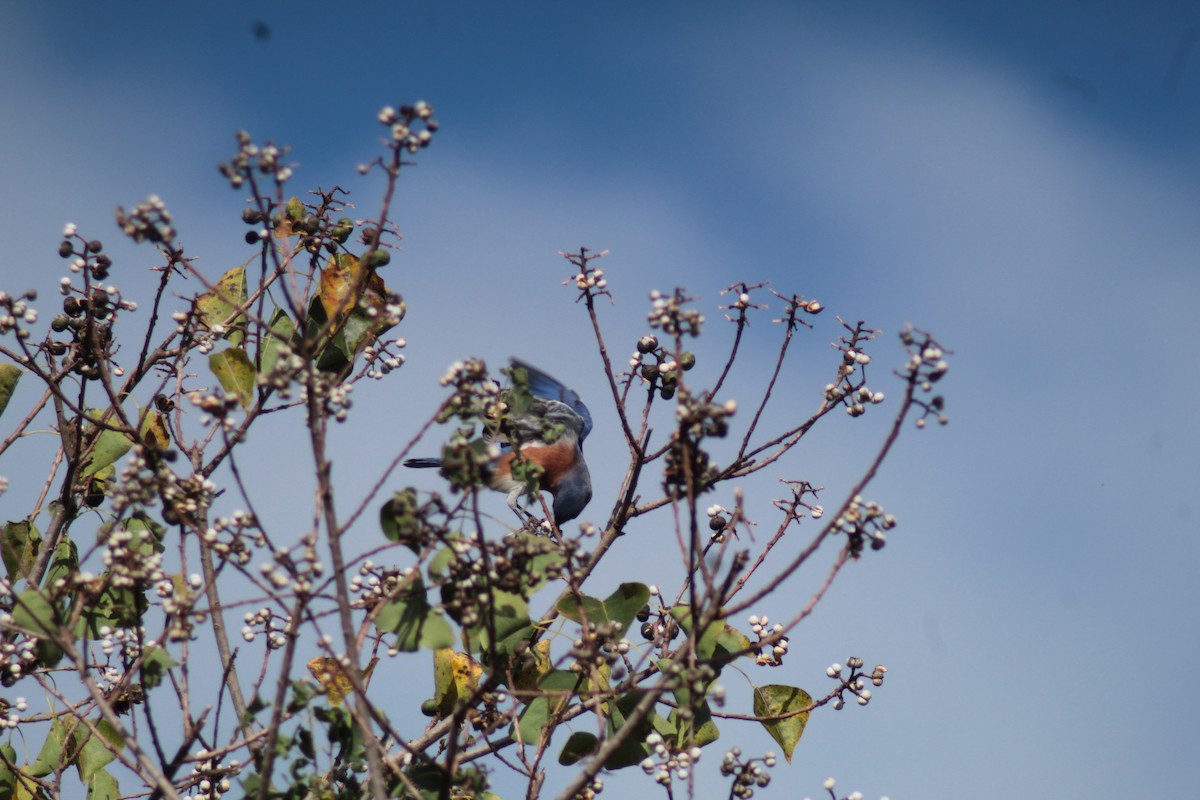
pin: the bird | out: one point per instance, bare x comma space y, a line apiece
564, 472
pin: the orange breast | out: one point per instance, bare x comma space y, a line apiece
555, 461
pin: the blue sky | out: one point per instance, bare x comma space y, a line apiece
1019, 178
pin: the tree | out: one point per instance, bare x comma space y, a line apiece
104, 606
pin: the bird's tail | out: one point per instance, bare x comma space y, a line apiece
422, 463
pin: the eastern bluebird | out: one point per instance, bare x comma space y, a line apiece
564, 472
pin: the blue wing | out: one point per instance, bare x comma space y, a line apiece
542, 385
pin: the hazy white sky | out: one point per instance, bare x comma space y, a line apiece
1022, 180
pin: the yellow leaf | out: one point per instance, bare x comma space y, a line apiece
154, 431
218, 306
333, 677
455, 677
526, 677
339, 279
236, 374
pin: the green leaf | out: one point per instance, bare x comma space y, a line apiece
218, 306
110, 445
95, 752
439, 566
562, 680
158, 662
634, 749
400, 521
8, 777
64, 563
51, 758
579, 746
19, 543
533, 718
542, 566
115, 607
413, 620
509, 621
621, 606
706, 645
33, 612
10, 375
295, 209
147, 533
103, 786
731, 641
280, 330
431, 782
236, 374
697, 731
774, 700
348, 288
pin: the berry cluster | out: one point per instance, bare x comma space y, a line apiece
264, 623
701, 420
210, 779
658, 367
749, 774
794, 306
132, 556
412, 127
598, 645
864, 522
851, 389
719, 518
829, 785
241, 535
589, 280
10, 713
252, 160
381, 360
796, 505
127, 643
741, 302
18, 652
149, 221
89, 254
17, 311
772, 644
662, 629
590, 791
926, 366
185, 498
667, 764
476, 395
855, 683
296, 569
514, 565
375, 583
669, 314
